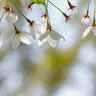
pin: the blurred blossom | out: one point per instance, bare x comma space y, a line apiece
0, 39
90, 49
38, 89
88, 30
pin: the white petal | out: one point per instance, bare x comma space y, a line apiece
10, 39
82, 19
73, 11
94, 30
40, 43
38, 28
24, 38
43, 18
43, 38
86, 32
52, 42
62, 39
85, 20
56, 36
32, 33
26, 33
15, 41
12, 17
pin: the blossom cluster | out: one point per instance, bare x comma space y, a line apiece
46, 34
86, 18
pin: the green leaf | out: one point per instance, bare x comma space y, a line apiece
38, 1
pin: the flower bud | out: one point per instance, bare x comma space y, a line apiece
12, 17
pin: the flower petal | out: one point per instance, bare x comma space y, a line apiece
82, 19
85, 20
38, 28
43, 38
10, 39
56, 36
52, 42
32, 33
24, 38
12, 17
40, 43
86, 32
15, 41
94, 30
73, 10
26, 33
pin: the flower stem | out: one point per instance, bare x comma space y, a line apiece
94, 14
10, 5
88, 6
47, 15
57, 8
2, 15
16, 30
69, 3
48, 21
20, 12
15, 27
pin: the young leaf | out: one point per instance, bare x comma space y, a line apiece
38, 1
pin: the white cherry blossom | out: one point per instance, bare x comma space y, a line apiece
36, 28
17, 37
88, 30
12, 17
52, 37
